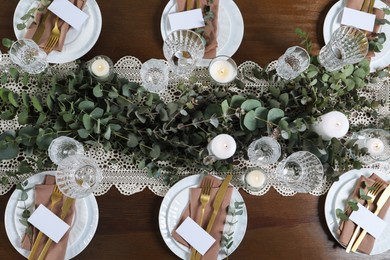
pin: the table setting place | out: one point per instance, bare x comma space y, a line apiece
294, 126
53, 214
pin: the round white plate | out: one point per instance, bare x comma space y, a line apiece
172, 207
337, 197
333, 21
77, 43
83, 228
230, 27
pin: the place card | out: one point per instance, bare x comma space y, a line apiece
195, 235
69, 13
370, 222
358, 19
47, 222
186, 20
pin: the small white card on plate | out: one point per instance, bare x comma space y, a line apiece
186, 20
47, 222
69, 13
358, 19
195, 235
373, 224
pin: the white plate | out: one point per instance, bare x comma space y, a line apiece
172, 207
76, 43
333, 21
230, 27
83, 228
337, 197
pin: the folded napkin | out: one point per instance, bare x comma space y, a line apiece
194, 209
363, 6
42, 196
347, 228
49, 24
211, 28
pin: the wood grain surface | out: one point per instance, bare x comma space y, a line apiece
278, 227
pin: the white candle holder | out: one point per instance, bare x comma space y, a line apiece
254, 179
101, 68
222, 69
376, 143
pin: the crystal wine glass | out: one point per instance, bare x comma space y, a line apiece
265, 150
63, 147
155, 75
78, 176
27, 54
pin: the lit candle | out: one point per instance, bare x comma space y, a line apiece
101, 67
255, 178
223, 69
333, 124
375, 146
222, 146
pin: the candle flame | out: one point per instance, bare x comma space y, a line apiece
225, 145
222, 71
338, 124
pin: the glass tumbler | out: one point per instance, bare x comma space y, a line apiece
265, 150
27, 54
182, 49
347, 45
78, 176
63, 147
292, 63
301, 171
155, 75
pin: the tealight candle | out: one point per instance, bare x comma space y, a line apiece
332, 124
255, 178
223, 69
375, 146
101, 67
222, 146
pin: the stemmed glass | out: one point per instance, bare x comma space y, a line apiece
63, 147
265, 150
27, 54
301, 171
292, 63
183, 49
155, 75
78, 176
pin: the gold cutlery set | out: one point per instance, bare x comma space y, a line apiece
55, 197
373, 193
54, 35
204, 199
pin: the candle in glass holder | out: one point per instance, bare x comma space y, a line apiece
375, 146
332, 124
255, 178
222, 146
101, 67
223, 69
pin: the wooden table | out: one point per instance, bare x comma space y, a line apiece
278, 227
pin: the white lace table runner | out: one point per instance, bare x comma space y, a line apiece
128, 179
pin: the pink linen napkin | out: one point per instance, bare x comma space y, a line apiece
211, 28
49, 24
347, 228
194, 211
42, 196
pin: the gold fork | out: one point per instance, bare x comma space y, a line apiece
204, 199
54, 37
54, 199
373, 192
64, 211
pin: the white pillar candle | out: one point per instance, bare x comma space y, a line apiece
255, 178
223, 69
332, 124
222, 146
375, 146
100, 68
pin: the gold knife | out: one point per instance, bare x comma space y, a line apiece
64, 211
41, 27
217, 204
379, 205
